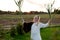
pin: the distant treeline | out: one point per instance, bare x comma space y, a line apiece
6, 12
56, 11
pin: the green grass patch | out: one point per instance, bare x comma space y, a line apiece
49, 33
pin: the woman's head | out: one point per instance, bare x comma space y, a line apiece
36, 18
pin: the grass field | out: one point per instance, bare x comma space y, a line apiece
14, 19
49, 33
28, 16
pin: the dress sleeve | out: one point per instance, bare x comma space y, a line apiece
44, 25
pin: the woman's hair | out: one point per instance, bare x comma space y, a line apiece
35, 17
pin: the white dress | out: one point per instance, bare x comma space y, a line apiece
35, 30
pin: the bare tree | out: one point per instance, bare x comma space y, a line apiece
19, 27
19, 4
49, 8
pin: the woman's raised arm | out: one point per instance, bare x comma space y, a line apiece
46, 24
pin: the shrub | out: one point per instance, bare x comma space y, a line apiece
13, 31
16, 30
19, 28
1, 32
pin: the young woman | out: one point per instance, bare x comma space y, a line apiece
35, 28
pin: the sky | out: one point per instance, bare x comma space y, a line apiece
28, 5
